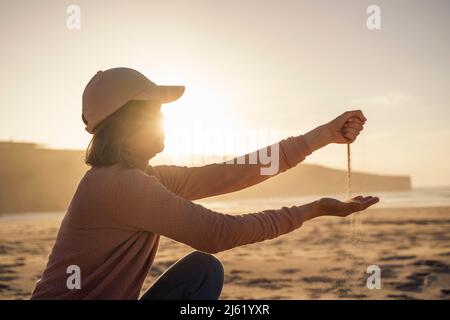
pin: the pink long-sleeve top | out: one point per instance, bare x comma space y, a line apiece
112, 227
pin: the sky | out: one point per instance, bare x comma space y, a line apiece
276, 67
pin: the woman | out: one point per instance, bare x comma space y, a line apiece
109, 236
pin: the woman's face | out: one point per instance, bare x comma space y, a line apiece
147, 138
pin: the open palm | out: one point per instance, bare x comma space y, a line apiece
334, 207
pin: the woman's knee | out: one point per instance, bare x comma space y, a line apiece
212, 263
207, 272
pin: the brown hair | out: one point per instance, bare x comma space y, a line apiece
107, 144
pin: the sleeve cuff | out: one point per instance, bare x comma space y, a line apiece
295, 150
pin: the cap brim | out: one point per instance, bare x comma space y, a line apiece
163, 94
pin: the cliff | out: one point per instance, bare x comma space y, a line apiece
36, 179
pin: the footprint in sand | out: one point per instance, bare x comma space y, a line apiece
317, 279
401, 297
4, 249
4, 278
387, 273
266, 283
6, 269
391, 266
155, 271
397, 257
435, 265
445, 293
240, 271
445, 254
415, 282
289, 270
4, 287
411, 286
234, 275
277, 298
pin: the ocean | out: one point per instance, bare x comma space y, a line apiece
415, 198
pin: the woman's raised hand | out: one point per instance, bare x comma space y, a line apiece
346, 127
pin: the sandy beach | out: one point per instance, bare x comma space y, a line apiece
326, 258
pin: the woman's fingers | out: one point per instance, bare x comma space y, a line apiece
361, 203
354, 125
357, 114
351, 137
369, 201
350, 130
355, 120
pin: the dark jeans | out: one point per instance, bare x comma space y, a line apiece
196, 276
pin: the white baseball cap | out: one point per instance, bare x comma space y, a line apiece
109, 90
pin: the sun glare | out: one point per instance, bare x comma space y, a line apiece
196, 122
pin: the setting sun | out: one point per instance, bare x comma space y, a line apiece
196, 122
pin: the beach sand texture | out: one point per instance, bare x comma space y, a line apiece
317, 261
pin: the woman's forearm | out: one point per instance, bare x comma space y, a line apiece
317, 138
237, 230
311, 211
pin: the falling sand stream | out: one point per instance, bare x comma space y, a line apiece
351, 281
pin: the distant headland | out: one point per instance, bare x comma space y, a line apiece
37, 179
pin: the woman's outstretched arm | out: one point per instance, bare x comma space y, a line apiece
219, 178
143, 203
239, 173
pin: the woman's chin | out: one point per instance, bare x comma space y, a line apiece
159, 149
